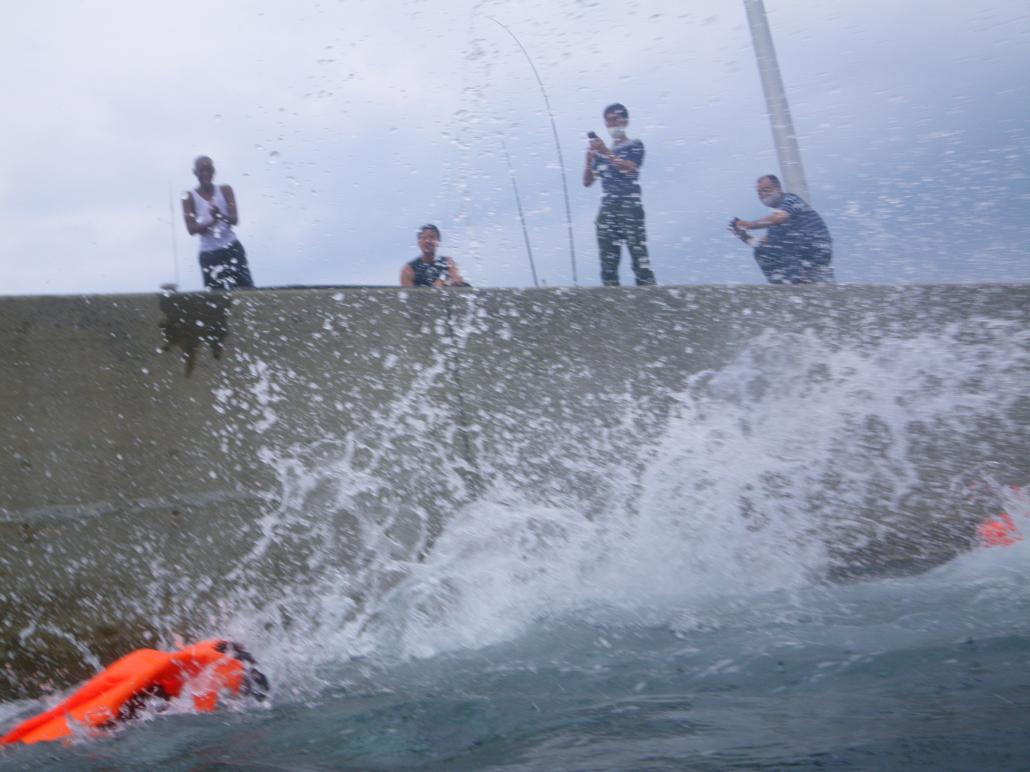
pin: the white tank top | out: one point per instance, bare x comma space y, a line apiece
221, 235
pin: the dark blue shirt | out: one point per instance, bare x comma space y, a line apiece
804, 230
427, 273
617, 184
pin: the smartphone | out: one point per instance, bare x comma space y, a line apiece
591, 135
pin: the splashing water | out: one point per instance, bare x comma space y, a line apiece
797, 463
681, 599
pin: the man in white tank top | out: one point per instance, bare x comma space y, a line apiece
210, 212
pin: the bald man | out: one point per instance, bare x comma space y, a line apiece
210, 212
797, 248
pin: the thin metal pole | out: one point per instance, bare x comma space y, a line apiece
171, 220
557, 145
522, 218
786, 141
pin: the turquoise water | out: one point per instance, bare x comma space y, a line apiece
695, 601
929, 672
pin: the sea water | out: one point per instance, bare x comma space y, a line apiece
701, 620
929, 672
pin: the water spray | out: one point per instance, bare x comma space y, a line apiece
557, 145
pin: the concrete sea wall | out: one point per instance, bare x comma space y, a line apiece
168, 460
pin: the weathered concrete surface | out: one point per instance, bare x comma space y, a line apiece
141, 488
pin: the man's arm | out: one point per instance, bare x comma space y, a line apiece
407, 276
232, 216
588, 170
624, 165
189, 214
453, 276
737, 229
778, 217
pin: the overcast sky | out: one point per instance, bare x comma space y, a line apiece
344, 125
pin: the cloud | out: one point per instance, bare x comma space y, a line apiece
342, 126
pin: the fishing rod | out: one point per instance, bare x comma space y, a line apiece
453, 194
557, 145
175, 247
522, 217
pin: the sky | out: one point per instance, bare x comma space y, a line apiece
344, 125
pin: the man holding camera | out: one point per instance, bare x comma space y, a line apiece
621, 217
798, 248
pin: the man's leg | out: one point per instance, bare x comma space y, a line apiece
814, 267
636, 244
770, 260
823, 274
211, 269
608, 246
221, 268
237, 271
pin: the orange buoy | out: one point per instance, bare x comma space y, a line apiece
999, 531
115, 694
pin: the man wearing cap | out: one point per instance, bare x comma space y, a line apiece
428, 269
621, 217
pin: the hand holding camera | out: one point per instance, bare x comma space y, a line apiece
738, 230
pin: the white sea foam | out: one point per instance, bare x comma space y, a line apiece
770, 474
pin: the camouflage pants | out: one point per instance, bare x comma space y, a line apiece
622, 220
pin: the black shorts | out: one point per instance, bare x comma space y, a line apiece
226, 268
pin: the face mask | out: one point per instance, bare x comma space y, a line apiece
617, 132
772, 200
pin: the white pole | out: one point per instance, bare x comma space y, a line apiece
786, 141
175, 248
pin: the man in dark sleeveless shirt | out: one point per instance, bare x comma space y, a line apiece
428, 269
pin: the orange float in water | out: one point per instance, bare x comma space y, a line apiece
999, 531
202, 671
